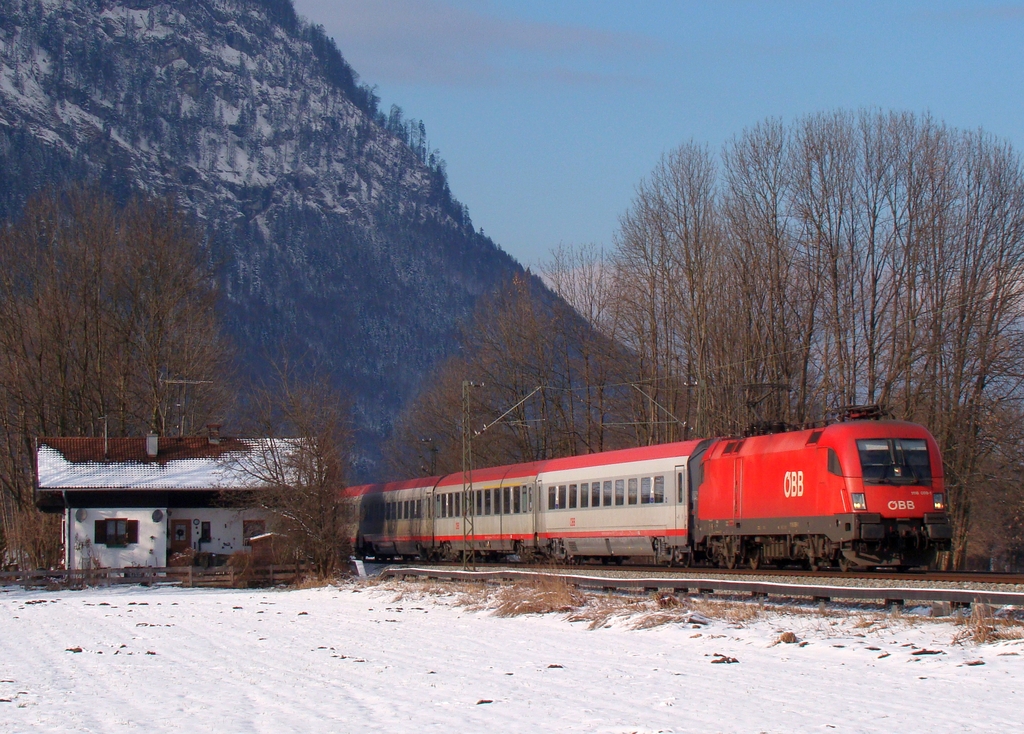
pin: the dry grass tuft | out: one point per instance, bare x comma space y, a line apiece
312, 581
543, 596
667, 601
736, 612
600, 610
982, 627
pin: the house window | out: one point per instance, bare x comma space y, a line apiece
252, 528
204, 534
116, 532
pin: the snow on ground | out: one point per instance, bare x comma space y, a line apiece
371, 658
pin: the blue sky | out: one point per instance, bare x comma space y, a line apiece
549, 113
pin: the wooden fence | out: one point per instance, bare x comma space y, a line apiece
226, 577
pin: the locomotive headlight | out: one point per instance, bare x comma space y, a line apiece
939, 501
858, 501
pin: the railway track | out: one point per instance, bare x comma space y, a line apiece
888, 589
958, 577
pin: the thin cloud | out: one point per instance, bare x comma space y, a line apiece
442, 43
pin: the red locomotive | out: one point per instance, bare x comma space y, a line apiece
860, 493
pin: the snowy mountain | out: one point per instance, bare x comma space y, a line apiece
333, 224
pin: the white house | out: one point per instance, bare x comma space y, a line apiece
138, 501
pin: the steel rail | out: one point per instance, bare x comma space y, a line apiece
889, 595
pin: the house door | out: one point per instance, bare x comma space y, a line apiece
181, 535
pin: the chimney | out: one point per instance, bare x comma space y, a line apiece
152, 445
213, 433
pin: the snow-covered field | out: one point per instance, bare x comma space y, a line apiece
367, 658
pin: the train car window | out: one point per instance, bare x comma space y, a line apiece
507, 500
405, 510
516, 500
530, 497
561, 497
584, 495
833, 463
815, 436
679, 488
608, 493
437, 506
595, 494
419, 509
552, 497
487, 502
659, 490
645, 490
458, 503
573, 495
632, 491
620, 492
479, 502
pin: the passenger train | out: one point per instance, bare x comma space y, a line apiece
859, 493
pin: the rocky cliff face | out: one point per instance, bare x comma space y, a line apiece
332, 225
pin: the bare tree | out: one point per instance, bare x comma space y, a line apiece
301, 461
100, 306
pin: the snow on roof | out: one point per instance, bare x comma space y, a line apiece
182, 463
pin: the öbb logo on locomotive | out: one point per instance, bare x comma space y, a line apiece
845, 487
793, 484
901, 504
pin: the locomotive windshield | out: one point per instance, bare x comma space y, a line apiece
894, 460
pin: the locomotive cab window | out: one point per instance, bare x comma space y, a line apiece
894, 460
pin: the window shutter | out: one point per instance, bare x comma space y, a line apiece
132, 532
101, 532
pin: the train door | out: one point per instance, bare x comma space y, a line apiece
821, 498
681, 499
428, 518
737, 489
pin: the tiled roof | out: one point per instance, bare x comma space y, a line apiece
180, 463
